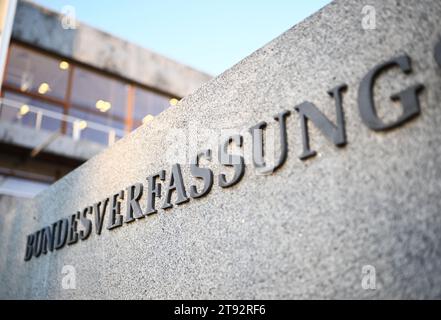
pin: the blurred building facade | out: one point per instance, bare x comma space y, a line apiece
70, 90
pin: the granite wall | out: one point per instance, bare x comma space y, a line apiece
360, 219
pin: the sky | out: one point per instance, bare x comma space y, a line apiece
209, 35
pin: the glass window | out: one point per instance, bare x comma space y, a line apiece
37, 79
19, 187
90, 131
148, 103
29, 71
103, 96
27, 117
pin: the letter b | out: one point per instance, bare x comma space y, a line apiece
29, 247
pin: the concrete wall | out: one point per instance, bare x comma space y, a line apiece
43, 28
303, 231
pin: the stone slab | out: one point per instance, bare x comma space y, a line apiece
304, 231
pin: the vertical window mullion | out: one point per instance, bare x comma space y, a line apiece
129, 108
68, 97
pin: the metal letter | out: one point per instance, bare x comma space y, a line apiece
232, 161
308, 111
258, 144
201, 173
86, 223
134, 211
408, 97
48, 239
73, 234
176, 183
61, 229
154, 190
38, 243
100, 209
29, 247
115, 217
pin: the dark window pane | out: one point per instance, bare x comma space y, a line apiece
148, 103
30, 71
98, 94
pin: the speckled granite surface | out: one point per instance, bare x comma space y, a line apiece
305, 231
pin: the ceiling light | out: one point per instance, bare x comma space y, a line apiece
103, 106
24, 87
147, 118
64, 65
173, 101
82, 124
43, 88
24, 109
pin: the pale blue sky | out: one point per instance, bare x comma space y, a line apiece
209, 35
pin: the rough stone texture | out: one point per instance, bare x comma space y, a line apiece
304, 231
41, 27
